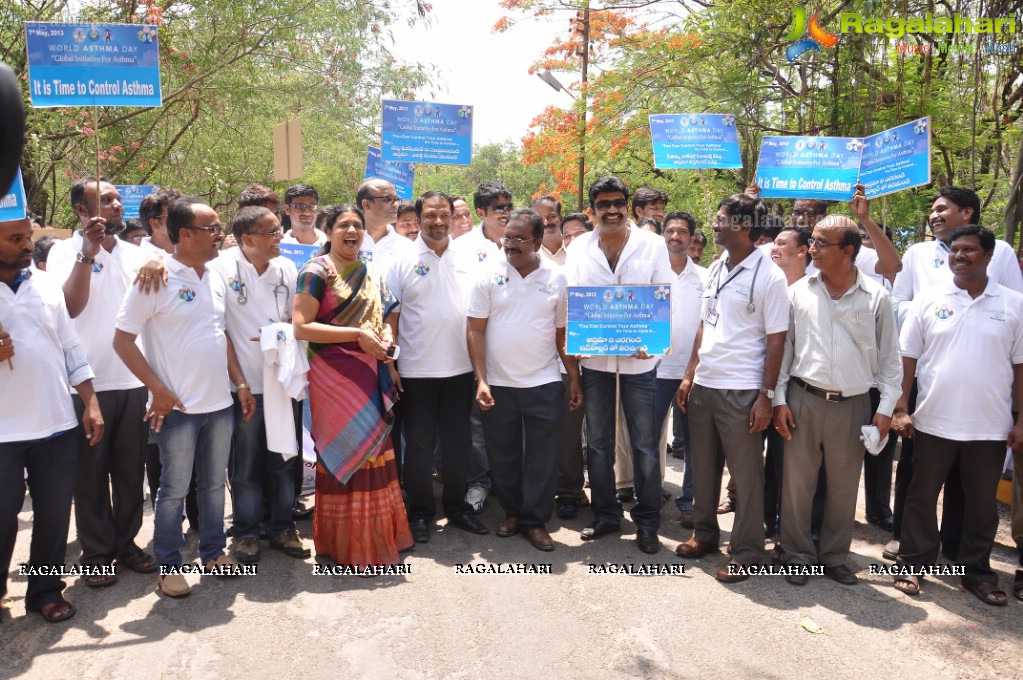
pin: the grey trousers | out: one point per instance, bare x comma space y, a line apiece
826, 434
719, 431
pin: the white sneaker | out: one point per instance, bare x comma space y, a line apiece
476, 498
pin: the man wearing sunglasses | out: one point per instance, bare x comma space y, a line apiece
300, 206
189, 372
615, 253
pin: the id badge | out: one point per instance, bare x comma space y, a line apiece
712, 317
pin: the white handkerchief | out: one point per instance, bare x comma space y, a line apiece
871, 439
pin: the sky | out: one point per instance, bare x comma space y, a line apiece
482, 69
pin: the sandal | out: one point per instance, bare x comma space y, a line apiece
138, 560
100, 580
57, 611
910, 585
988, 593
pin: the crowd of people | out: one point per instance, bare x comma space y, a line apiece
429, 349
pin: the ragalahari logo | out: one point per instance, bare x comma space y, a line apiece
818, 37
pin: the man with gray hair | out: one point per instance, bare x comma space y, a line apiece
842, 339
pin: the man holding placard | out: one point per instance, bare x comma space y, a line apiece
615, 253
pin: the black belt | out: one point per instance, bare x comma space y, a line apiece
823, 394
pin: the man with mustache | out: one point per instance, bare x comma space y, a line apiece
516, 330
96, 269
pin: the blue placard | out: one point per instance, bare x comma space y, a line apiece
299, 253
897, 159
619, 320
694, 140
824, 168
93, 64
12, 202
425, 132
132, 195
401, 175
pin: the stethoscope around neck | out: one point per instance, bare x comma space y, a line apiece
751, 306
243, 290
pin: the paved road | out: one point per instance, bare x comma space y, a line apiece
436, 623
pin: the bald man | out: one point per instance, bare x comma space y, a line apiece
842, 340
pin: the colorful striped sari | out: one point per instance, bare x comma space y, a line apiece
360, 517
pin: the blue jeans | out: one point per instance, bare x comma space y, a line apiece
665, 396
202, 439
257, 472
637, 396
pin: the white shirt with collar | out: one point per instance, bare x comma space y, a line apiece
686, 303
35, 395
110, 278
846, 345
150, 249
734, 334
183, 330
644, 260
476, 248
557, 258
522, 315
382, 253
965, 350
289, 238
433, 298
268, 300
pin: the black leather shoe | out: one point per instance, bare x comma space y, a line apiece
799, 579
647, 541
626, 495
420, 530
884, 523
567, 511
599, 529
469, 523
842, 574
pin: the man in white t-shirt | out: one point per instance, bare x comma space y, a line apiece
300, 206
516, 330
96, 269
260, 290
926, 267
189, 372
686, 290
616, 253
381, 243
153, 214
40, 360
964, 343
434, 374
729, 384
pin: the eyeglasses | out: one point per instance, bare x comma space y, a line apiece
864, 236
276, 233
507, 207
605, 205
209, 230
515, 241
303, 207
804, 213
821, 245
386, 199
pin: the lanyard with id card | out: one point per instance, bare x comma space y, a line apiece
712, 315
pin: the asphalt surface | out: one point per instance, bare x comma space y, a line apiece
436, 622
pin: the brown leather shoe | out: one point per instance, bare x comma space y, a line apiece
695, 548
509, 526
731, 572
540, 539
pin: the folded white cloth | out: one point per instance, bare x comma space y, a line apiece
871, 438
285, 377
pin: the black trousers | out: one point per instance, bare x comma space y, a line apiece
522, 433
435, 408
51, 481
108, 490
980, 476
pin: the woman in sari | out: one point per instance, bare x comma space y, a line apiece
341, 308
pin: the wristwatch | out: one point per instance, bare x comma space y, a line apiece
80, 257
767, 393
